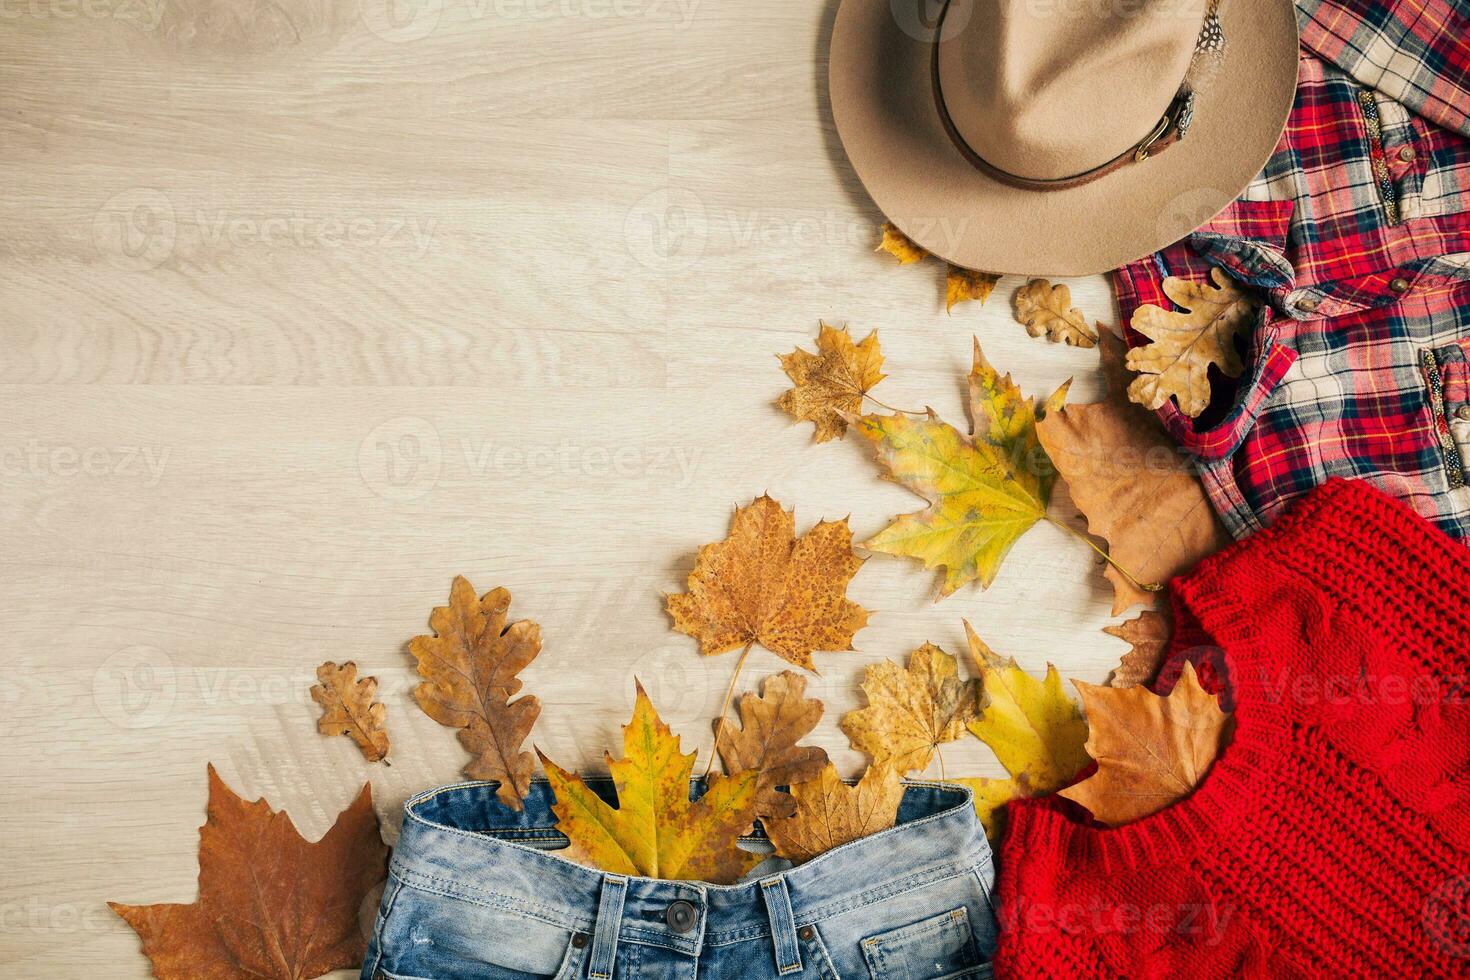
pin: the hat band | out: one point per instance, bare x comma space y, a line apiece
1170, 129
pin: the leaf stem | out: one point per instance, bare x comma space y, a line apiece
900, 411
725, 708
1145, 586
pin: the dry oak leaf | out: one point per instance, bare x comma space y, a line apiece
984, 491
961, 285
830, 813
771, 726
1151, 751
470, 666
764, 585
1046, 309
831, 381
348, 708
911, 712
1035, 730
270, 904
898, 245
1148, 635
655, 830
1139, 493
1185, 344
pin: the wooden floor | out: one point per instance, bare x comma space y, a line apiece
308, 308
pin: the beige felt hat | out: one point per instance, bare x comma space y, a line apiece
1059, 137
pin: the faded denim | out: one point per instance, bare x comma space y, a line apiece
475, 893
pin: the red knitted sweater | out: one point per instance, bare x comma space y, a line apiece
1331, 838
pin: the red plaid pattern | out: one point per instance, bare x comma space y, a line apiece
1358, 233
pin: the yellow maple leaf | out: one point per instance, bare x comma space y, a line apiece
1151, 751
898, 245
1047, 310
1033, 727
764, 585
655, 830
962, 285
1176, 365
984, 491
831, 381
829, 813
911, 712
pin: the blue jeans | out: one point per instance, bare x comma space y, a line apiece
473, 895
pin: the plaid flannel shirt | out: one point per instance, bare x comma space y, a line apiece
1358, 233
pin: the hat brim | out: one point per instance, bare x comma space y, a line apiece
881, 88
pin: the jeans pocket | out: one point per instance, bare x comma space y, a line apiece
1447, 378
941, 947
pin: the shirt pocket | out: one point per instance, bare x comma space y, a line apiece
1447, 378
938, 948
1422, 170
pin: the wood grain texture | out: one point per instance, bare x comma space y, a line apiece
311, 305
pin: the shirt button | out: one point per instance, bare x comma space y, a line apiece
1399, 285
1463, 413
681, 916
1308, 303
1406, 154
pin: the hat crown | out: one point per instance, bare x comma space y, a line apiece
1045, 89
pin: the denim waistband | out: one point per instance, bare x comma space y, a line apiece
459, 842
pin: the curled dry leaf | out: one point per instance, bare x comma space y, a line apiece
911, 712
984, 491
1047, 309
1151, 751
469, 668
655, 830
348, 708
962, 285
771, 726
1148, 635
1176, 364
764, 585
830, 813
831, 381
897, 244
270, 904
1139, 493
1033, 727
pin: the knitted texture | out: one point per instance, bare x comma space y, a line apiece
1331, 838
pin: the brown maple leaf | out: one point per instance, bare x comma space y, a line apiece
832, 381
1151, 751
911, 712
764, 585
1148, 635
469, 668
270, 904
348, 708
771, 725
1176, 364
1139, 493
962, 285
829, 813
1047, 309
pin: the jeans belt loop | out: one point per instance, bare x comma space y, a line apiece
783, 925
609, 920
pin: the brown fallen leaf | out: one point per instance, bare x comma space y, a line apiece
348, 708
1148, 635
898, 245
270, 904
1139, 493
832, 381
1151, 751
771, 726
764, 585
655, 831
470, 666
1176, 364
830, 813
961, 285
1047, 309
911, 712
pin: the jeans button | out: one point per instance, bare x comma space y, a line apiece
681, 916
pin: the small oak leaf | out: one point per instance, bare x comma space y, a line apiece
830, 813
348, 708
961, 285
1184, 344
771, 726
1151, 751
1047, 309
1148, 635
831, 381
762, 584
911, 712
655, 830
897, 244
